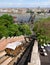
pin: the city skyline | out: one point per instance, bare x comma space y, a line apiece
24, 3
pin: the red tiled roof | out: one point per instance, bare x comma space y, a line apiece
4, 42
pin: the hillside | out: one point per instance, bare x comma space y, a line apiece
42, 29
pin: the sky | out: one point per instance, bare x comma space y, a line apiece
24, 3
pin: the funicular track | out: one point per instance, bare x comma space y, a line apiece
26, 56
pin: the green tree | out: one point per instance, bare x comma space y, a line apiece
13, 30
42, 29
3, 31
4, 22
25, 29
8, 28
7, 17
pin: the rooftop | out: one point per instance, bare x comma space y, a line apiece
13, 45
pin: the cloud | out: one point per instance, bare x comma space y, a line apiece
26, 4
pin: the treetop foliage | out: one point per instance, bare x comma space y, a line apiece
42, 29
8, 28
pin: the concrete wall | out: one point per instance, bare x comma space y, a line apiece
35, 59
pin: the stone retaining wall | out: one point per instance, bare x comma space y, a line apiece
35, 59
